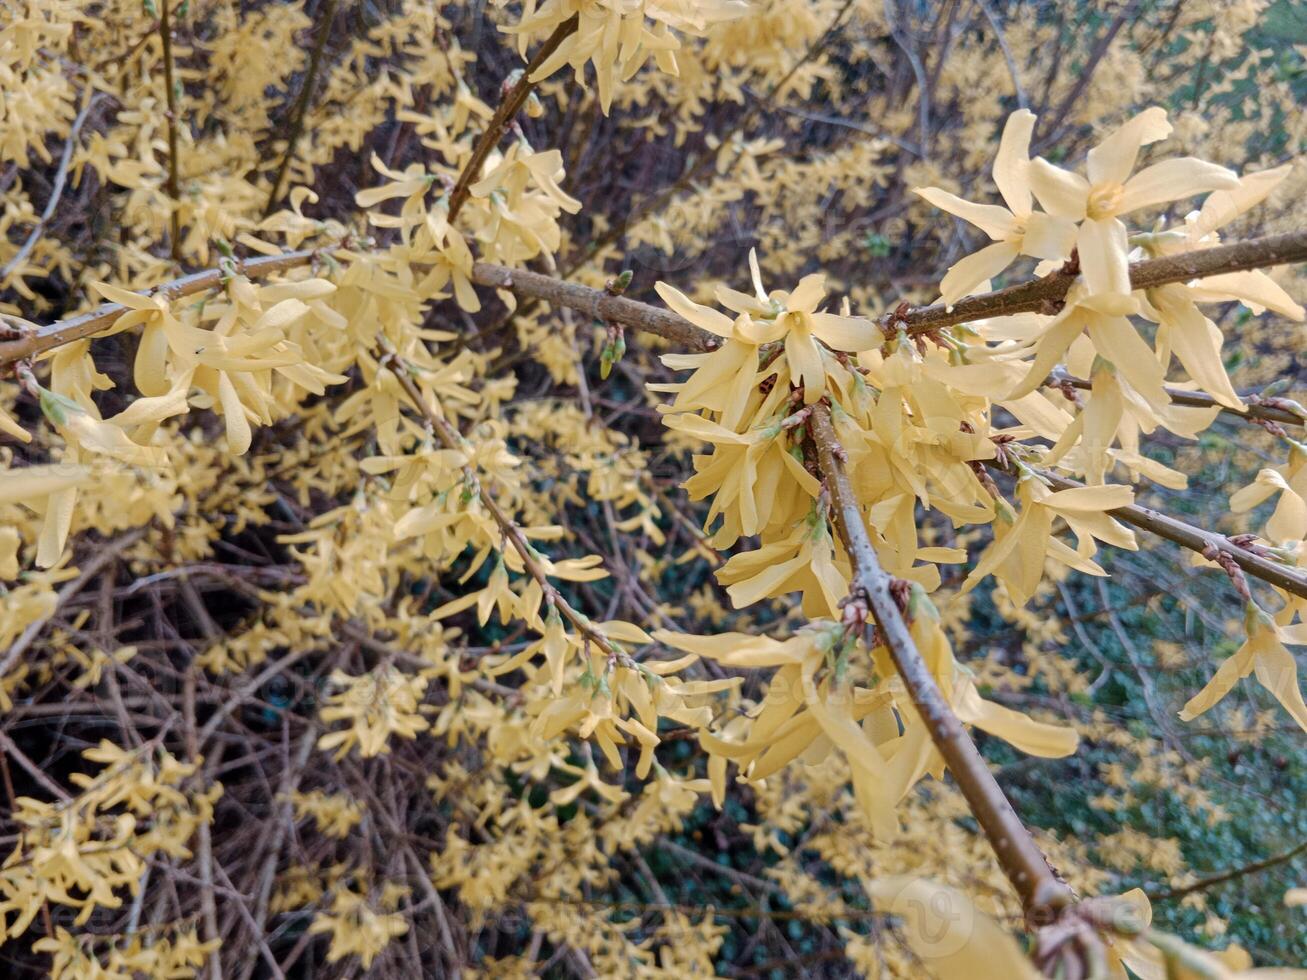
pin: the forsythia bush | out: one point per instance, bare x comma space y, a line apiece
564, 487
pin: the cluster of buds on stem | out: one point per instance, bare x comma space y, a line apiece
615, 334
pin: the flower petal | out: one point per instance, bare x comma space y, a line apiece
807, 294
805, 364
847, 333
968, 273
1254, 288
1111, 161
1048, 237
1116, 340
1058, 191
1013, 160
996, 222
1174, 180
701, 316
1224, 206
1103, 248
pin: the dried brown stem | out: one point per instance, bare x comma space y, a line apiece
174, 182
1043, 896
326, 19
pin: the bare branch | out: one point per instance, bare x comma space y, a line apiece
56, 192
174, 183
326, 19
1211, 881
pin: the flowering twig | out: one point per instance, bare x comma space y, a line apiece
1259, 407
504, 115
1027, 297
1224, 550
508, 528
1043, 896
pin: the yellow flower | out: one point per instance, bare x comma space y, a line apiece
612, 34
1110, 192
1015, 230
1289, 521
791, 317
1262, 653
1185, 330
1016, 556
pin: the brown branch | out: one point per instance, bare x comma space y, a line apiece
1058, 118
1037, 294
504, 116
174, 184
75, 328
1195, 539
596, 303
1269, 411
106, 552
1024, 298
1211, 881
300, 111
1043, 896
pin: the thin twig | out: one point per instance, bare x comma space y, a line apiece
174, 183
1218, 879
1055, 121
56, 192
448, 435
1200, 399
300, 111
1285, 577
1003, 46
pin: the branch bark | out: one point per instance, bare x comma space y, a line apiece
52, 335
1037, 294
1257, 253
1043, 896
